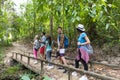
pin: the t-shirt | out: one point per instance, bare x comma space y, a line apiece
81, 38
59, 40
43, 39
48, 47
36, 44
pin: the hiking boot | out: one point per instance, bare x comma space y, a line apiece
83, 78
60, 68
74, 73
65, 71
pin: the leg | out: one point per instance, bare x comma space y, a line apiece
84, 64
48, 56
76, 63
42, 52
35, 53
64, 60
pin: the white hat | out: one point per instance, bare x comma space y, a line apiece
80, 27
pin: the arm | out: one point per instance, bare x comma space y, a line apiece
87, 41
42, 40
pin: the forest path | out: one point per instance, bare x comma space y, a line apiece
54, 73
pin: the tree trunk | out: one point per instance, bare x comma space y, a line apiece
51, 21
51, 25
63, 16
34, 18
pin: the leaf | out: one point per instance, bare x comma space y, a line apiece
73, 20
74, 13
107, 26
78, 18
47, 78
25, 77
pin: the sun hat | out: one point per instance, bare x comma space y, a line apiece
80, 27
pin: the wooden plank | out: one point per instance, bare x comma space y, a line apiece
78, 70
28, 66
90, 62
69, 75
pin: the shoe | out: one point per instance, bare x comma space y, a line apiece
65, 71
35, 62
74, 73
83, 78
60, 67
50, 67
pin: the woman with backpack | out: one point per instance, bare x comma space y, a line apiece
83, 55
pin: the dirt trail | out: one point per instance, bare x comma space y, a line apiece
55, 73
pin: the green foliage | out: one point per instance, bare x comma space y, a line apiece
25, 77
1, 53
46, 78
12, 70
100, 17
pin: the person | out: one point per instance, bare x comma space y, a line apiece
83, 55
42, 45
35, 47
61, 47
49, 50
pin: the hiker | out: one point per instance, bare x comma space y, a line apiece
35, 47
83, 55
49, 50
42, 45
61, 47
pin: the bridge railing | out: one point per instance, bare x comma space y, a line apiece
90, 62
70, 69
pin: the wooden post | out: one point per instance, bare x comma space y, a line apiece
28, 54
42, 65
21, 57
16, 55
12, 54
69, 74
28, 62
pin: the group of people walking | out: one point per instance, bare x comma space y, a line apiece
44, 46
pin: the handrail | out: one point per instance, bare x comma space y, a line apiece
91, 62
70, 69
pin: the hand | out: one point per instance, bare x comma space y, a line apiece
81, 44
78, 43
58, 49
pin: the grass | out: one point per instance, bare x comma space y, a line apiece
2, 50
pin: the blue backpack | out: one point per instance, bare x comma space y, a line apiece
66, 41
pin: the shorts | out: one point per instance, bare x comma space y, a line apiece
42, 50
58, 54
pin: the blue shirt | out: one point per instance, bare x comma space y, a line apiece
81, 38
48, 47
43, 39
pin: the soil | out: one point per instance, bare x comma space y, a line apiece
99, 55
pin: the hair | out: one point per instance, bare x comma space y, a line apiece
80, 30
43, 33
49, 39
59, 27
36, 37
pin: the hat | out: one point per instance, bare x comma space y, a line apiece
80, 27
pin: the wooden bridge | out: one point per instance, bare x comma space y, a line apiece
28, 59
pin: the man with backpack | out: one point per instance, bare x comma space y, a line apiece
62, 41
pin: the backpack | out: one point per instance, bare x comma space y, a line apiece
66, 41
89, 48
